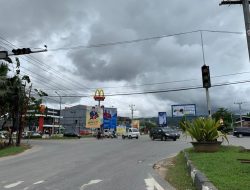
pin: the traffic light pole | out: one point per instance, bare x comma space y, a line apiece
206, 79
208, 103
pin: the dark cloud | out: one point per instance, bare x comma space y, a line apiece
33, 23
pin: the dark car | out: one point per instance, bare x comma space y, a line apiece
164, 133
241, 131
71, 134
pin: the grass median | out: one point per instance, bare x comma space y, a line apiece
13, 150
222, 168
177, 174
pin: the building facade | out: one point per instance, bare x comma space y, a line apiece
74, 118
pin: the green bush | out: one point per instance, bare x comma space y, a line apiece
202, 129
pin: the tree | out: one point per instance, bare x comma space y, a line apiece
15, 98
225, 117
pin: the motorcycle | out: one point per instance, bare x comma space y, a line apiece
113, 135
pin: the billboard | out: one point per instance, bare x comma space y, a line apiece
183, 110
136, 124
94, 117
109, 118
162, 118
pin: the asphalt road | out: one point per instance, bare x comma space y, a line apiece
90, 164
86, 164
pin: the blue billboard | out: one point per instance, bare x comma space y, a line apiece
109, 118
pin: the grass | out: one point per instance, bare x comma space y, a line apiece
177, 174
13, 150
223, 169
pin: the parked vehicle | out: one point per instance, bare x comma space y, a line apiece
71, 134
131, 133
107, 133
164, 133
241, 131
3, 134
31, 134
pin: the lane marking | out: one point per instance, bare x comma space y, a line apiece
152, 184
149, 183
38, 182
91, 182
13, 184
26, 188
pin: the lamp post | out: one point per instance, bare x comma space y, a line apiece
60, 107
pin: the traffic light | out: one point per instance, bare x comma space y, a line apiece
206, 76
21, 51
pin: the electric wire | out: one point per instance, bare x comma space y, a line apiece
161, 91
34, 73
139, 40
47, 67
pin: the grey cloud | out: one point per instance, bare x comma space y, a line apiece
70, 23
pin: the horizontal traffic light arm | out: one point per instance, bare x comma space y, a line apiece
23, 51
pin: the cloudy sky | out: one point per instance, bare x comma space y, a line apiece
72, 66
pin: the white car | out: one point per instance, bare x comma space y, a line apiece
131, 133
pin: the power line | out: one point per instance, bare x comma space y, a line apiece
41, 76
138, 40
47, 67
164, 82
161, 91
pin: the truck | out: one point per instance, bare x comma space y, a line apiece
131, 133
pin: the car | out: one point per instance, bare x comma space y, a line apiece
164, 133
72, 134
241, 131
31, 134
131, 133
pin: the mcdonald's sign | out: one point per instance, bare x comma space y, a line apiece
99, 95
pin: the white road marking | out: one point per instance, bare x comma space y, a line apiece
149, 183
152, 184
13, 185
26, 188
38, 182
91, 182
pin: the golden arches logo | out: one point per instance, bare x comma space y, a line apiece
99, 95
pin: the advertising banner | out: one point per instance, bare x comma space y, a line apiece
183, 110
109, 118
162, 118
94, 117
136, 124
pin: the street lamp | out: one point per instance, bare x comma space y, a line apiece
60, 108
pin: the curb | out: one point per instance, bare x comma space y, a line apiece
200, 181
162, 182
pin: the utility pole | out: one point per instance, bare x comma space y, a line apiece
60, 108
240, 103
245, 4
132, 111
